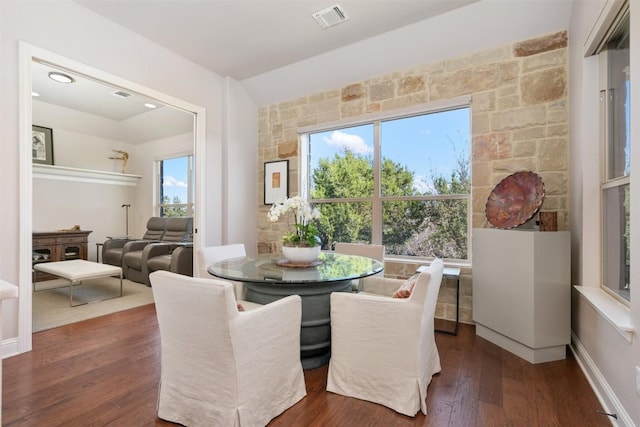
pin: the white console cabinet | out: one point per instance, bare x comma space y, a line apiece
522, 291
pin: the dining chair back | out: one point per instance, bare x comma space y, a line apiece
363, 249
220, 366
383, 349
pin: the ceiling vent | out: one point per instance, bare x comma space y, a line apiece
330, 16
121, 94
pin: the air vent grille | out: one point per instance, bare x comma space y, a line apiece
121, 94
330, 16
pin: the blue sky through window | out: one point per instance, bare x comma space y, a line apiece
175, 180
428, 144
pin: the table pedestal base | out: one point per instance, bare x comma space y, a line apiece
315, 331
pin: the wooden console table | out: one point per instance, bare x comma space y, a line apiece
57, 246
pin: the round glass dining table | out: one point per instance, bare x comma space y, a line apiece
271, 277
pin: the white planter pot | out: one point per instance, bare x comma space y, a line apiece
301, 255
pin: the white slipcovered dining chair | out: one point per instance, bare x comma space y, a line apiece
369, 250
383, 349
219, 366
210, 254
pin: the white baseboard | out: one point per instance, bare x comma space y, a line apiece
9, 347
601, 388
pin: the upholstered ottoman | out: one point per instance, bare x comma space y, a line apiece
77, 270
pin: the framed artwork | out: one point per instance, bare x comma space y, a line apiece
276, 181
42, 145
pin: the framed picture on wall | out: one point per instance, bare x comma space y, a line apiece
42, 145
276, 181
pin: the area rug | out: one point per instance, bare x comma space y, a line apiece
51, 300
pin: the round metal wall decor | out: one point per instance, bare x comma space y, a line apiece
515, 200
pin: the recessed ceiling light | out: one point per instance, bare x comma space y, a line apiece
150, 105
61, 77
35, 94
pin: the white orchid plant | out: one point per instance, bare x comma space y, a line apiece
305, 233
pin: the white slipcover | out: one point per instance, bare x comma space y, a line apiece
372, 251
222, 367
383, 349
210, 254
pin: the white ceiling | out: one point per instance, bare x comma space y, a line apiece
245, 38
86, 95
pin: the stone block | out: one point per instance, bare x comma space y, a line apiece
405, 101
381, 91
550, 59
478, 219
555, 184
287, 149
483, 101
373, 107
525, 148
510, 166
557, 130
351, 92
552, 155
519, 118
480, 123
481, 173
484, 57
288, 114
557, 115
491, 146
508, 102
352, 108
544, 86
535, 132
507, 90
479, 199
276, 130
410, 84
541, 44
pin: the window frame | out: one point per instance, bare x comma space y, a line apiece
377, 199
190, 203
607, 180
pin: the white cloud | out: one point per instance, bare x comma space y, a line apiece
421, 184
353, 143
170, 181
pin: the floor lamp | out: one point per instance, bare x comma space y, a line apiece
126, 206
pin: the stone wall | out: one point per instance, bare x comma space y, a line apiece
519, 122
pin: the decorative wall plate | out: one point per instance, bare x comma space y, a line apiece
515, 200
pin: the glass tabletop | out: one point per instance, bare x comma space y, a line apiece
273, 268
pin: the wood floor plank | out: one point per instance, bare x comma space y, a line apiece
105, 371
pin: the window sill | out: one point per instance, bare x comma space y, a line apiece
63, 173
618, 315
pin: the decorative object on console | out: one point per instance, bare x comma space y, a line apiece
124, 156
548, 221
42, 145
276, 181
515, 200
305, 235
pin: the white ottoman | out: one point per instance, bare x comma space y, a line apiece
77, 270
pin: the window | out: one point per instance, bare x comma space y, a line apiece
400, 181
175, 186
615, 119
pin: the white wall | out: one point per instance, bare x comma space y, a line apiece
82, 140
70, 30
609, 356
240, 166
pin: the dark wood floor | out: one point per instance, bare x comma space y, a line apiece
105, 371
